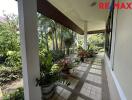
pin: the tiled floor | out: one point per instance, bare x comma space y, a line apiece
94, 78
88, 82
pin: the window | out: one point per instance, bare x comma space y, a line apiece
108, 34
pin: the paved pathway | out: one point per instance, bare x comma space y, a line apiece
88, 82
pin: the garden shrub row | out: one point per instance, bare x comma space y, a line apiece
8, 74
18, 95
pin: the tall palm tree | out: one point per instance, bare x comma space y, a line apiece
68, 39
56, 33
43, 24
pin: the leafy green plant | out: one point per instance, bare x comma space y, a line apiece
10, 69
96, 42
57, 55
17, 95
13, 59
9, 74
46, 61
66, 65
49, 72
9, 35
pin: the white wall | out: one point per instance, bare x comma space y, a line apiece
114, 94
121, 57
123, 51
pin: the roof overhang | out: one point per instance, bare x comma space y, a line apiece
47, 9
73, 13
96, 31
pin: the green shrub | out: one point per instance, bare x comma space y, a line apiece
93, 48
18, 95
46, 61
8, 74
13, 59
57, 55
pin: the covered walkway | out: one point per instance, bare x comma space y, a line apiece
88, 82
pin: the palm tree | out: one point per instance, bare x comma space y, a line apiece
68, 39
56, 33
43, 24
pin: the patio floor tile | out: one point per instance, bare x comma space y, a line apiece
91, 91
95, 71
79, 98
97, 67
77, 73
73, 82
94, 78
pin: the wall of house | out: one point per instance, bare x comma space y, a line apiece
121, 56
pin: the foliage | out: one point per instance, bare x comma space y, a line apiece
82, 54
86, 53
68, 39
79, 48
8, 74
17, 95
9, 35
93, 47
96, 42
49, 72
80, 40
43, 25
13, 59
10, 69
76, 61
55, 68
46, 61
65, 63
47, 79
57, 55
96, 39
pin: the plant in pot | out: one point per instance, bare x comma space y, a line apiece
66, 64
76, 61
82, 54
92, 51
50, 75
91, 54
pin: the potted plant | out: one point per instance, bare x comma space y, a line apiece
82, 54
91, 53
50, 74
66, 65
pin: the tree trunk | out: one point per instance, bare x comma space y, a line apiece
67, 51
61, 42
63, 47
61, 39
56, 39
53, 41
47, 42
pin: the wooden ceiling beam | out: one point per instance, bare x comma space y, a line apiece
96, 31
47, 9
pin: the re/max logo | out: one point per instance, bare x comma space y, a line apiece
117, 5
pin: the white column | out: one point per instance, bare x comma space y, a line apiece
85, 35
29, 48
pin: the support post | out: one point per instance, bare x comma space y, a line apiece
29, 48
85, 35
